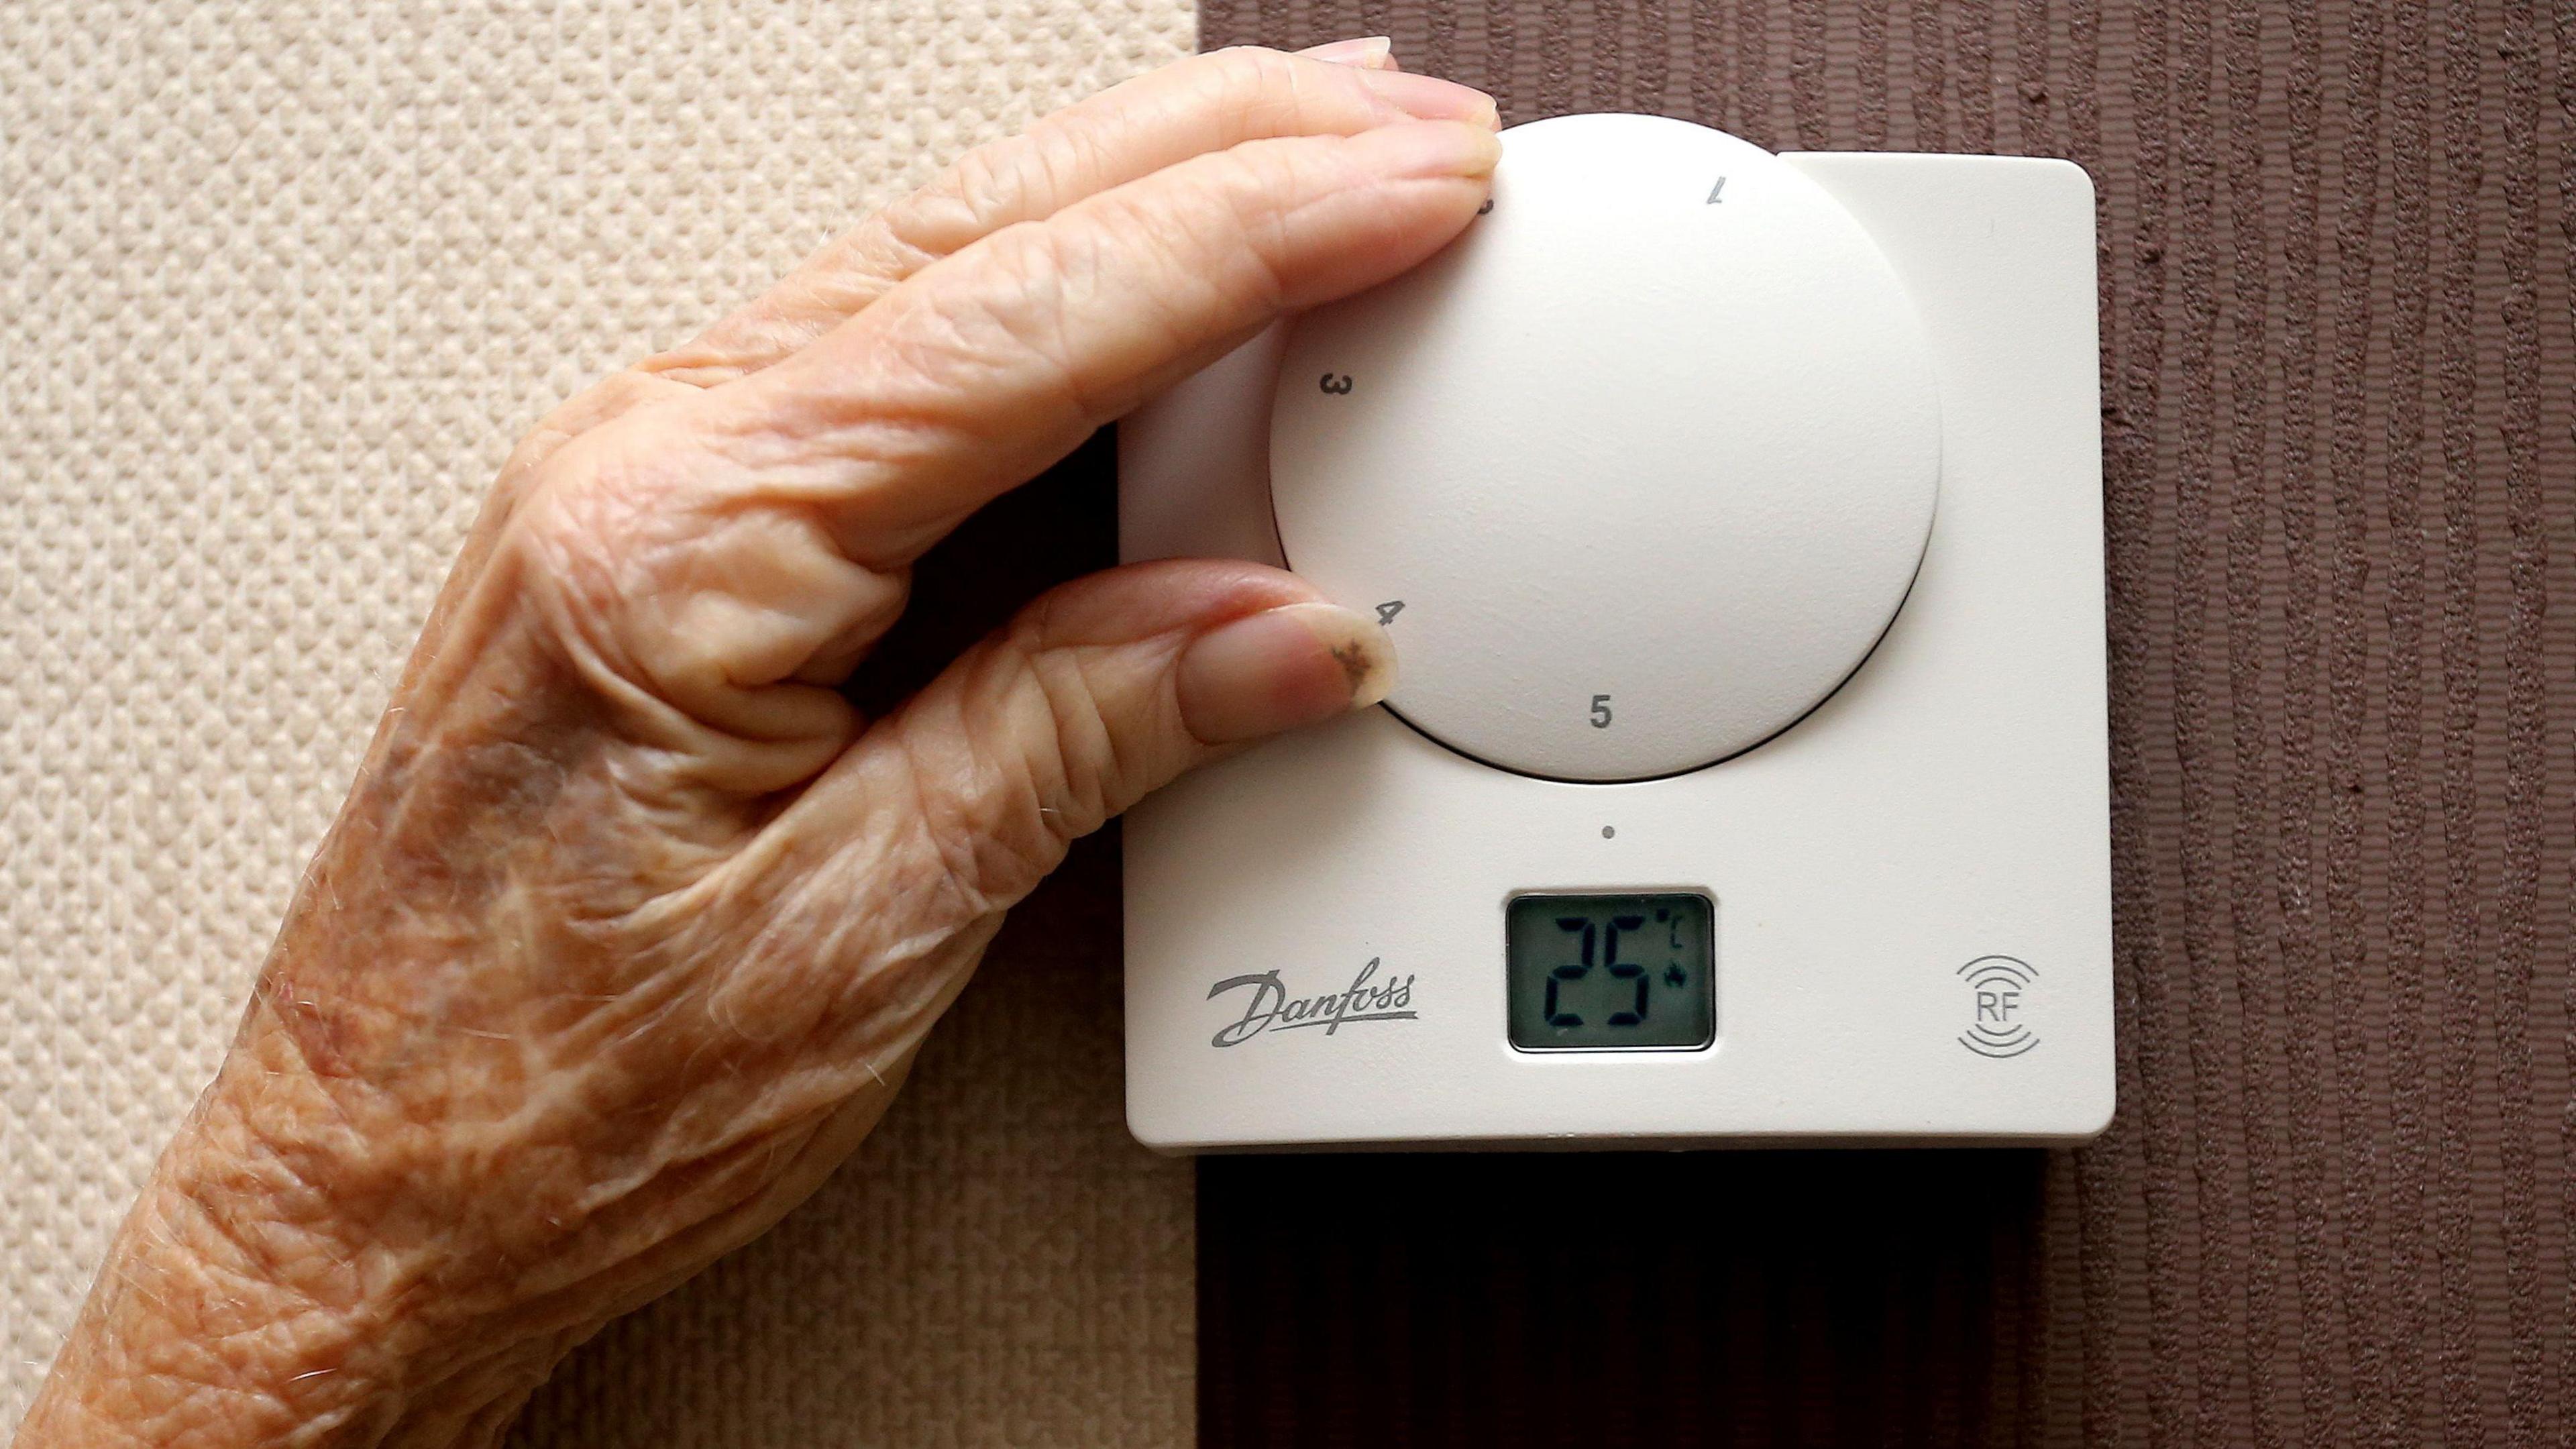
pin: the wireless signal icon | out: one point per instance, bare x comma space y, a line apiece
1999, 987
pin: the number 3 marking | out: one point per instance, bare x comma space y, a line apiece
1337, 383
1601, 711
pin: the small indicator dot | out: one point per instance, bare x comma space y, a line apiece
1607, 831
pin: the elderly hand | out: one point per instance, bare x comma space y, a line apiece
631, 926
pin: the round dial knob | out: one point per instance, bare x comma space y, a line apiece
1637, 471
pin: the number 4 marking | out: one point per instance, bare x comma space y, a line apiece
1387, 611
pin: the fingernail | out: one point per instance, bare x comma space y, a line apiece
1368, 52
1281, 668
1428, 148
1429, 98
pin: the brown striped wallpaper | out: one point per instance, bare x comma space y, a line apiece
2339, 381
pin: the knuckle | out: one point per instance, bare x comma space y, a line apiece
1015, 318
949, 212
968, 867
1248, 193
618, 394
1231, 198
1186, 245
588, 513
1270, 91
574, 530
706, 598
592, 535
1069, 721
984, 786
1033, 257
1063, 163
1245, 73
603, 402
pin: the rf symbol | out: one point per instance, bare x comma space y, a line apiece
1998, 998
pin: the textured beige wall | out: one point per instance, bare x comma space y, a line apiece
279, 284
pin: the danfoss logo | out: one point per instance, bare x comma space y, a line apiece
1271, 1008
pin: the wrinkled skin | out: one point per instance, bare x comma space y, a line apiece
630, 928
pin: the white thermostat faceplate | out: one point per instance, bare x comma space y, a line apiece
1737, 518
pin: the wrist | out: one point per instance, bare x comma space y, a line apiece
241, 1302
225, 1312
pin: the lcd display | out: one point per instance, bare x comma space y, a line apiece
1610, 972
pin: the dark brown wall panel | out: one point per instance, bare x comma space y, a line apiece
2339, 378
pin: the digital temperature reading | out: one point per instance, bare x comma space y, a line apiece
1607, 972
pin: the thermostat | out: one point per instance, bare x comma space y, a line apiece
1737, 520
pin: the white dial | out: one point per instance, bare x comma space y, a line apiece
1637, 471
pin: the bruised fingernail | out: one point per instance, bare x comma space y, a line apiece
1281, 668
1429, 98
1368, 52
1428, 149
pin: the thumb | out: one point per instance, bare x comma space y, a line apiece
1100, 691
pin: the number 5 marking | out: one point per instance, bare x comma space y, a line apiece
1601, 711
